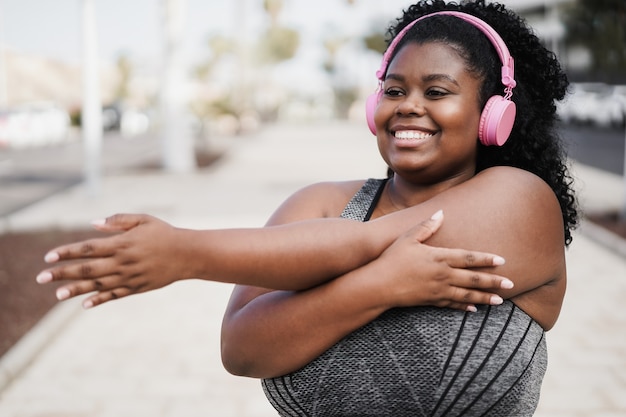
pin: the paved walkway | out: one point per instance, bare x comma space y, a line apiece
157, 354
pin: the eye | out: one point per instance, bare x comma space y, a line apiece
436, 92
394, 92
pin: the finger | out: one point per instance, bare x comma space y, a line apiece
91, 248
87, 269
86, 286
472, 297
120, 222
479, 280
461, 258
463, 307
104, 297
427, 228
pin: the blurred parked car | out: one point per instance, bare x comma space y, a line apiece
598, 104
127, 120
34, 124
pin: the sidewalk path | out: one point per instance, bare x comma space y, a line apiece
157, 354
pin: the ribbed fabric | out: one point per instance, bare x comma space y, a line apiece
421, 361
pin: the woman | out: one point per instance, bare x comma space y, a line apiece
327, 310
341, 354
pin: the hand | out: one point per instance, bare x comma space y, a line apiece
140, 259
418, 274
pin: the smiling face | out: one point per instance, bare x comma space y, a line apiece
427, 119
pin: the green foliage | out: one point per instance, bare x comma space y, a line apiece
332, 45
278, 44
599, 26
219, 46
124, 69
375, 41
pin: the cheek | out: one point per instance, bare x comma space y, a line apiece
382, 113
459, 118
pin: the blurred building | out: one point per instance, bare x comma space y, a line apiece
544, 16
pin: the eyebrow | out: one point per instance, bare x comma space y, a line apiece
428, 78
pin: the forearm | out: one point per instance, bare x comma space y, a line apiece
281, 331
150, 254
314, 251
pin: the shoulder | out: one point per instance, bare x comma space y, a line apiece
513, 200
513, 189
323, 199
519, 178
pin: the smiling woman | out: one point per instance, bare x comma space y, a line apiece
445, 91
345, 307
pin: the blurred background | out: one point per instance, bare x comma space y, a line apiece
229, 67
111, 94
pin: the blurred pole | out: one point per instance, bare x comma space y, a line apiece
240, 35
4, 93
91, 117
178, 147
623, 211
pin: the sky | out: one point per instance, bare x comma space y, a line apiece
52, 28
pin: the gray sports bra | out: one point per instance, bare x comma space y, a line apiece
421, 361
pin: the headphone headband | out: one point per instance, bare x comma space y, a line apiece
508, 68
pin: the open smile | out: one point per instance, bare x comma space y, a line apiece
411, 135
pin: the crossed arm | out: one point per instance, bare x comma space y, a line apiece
523, 226
505, 211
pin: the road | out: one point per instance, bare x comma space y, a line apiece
599, 148
29, 175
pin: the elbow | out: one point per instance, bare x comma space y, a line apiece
235, 361
241, 361
249, 364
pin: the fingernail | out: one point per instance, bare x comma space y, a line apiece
507, 284
44, 277
438, 215
87, 304
498, 260
496, 300
472, 309
98, 222
63, 294
51, 257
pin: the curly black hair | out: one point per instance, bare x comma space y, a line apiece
534, 144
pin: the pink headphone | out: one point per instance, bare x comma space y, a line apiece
496, 119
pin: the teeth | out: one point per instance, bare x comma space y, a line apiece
412, 134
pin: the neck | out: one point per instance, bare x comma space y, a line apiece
403, 194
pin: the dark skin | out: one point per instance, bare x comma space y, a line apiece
269, 333
309, 279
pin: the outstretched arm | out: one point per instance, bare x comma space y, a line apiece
151, 254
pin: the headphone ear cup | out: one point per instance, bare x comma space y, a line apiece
370, 107
496, 121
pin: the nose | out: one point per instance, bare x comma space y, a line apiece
411, 105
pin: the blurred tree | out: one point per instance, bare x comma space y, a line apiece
220, 46
600, 27
273, 8
124, 70
332, 45
278, 43
345, 93
376, 41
